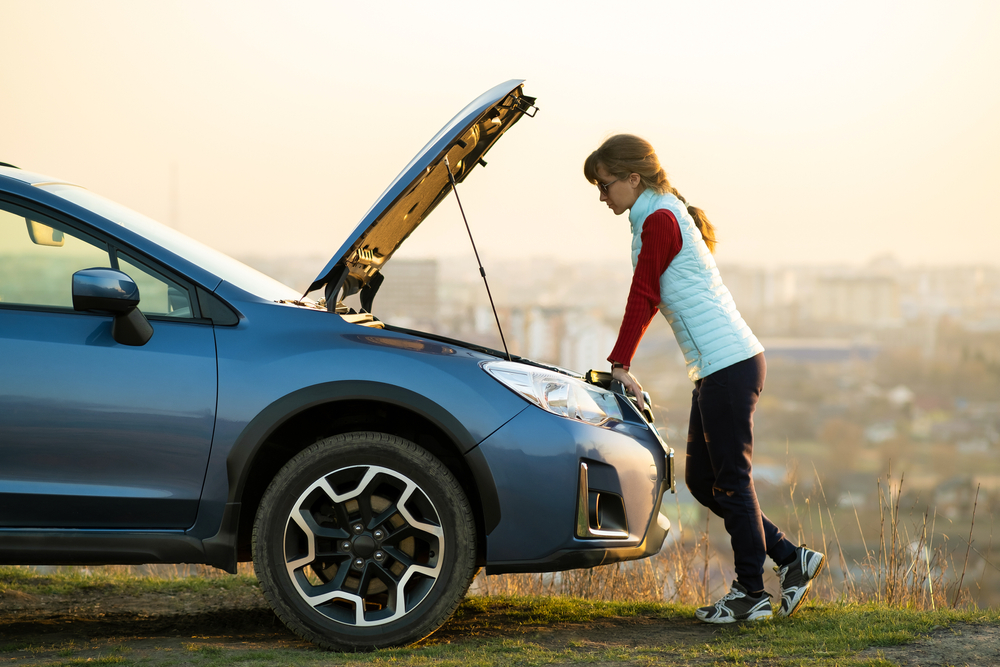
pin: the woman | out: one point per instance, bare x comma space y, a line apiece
675, 272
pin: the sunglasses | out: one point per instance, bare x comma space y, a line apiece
603, 187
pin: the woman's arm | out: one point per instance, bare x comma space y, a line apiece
661, 241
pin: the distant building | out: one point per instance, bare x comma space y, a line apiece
819, 350
409, 294
587, 341
534, 333
755, 289
859, 300
969, 294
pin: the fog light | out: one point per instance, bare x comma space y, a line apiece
599, 514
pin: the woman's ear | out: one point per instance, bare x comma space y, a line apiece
635, 180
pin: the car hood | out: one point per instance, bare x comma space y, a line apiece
420, 187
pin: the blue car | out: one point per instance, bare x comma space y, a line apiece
161, 402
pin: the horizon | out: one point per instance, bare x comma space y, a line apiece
624, 261
811, 133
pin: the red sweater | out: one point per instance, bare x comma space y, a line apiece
661, 241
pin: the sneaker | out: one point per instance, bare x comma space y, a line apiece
797, 577
737, 605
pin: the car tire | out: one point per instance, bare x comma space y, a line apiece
364, 540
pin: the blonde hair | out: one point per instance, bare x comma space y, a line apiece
625, 154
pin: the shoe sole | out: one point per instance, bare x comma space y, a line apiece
796, 603
761, 615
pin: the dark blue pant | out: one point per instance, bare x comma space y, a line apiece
718, 470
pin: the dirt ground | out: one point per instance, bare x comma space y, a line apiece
165, 629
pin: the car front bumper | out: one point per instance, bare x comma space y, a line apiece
572, 495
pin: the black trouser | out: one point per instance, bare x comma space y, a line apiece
718, 470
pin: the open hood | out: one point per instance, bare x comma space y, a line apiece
418, 189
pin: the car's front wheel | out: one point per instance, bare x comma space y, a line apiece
364, 540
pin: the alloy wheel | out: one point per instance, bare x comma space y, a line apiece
363, 545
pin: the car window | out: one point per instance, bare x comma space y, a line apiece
212, 260
38, 258
158, 295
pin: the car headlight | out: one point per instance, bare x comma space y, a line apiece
559, 394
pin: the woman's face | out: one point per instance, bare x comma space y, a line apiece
619, 194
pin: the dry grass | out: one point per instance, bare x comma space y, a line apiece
679, 573
152, 571
907, 564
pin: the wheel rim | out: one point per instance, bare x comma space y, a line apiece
364, 545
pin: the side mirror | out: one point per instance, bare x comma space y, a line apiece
113, 293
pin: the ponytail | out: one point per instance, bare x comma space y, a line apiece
706, 228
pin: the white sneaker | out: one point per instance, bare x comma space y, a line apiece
737, 605
797, 577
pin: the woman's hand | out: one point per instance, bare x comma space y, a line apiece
630, 383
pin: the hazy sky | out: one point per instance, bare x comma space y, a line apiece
810, 132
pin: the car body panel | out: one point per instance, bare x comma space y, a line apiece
96, 436
422, 184
534, 459
313, 357
304, 348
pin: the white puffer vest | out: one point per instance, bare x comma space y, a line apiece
701, 311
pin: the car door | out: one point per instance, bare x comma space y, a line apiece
93, 433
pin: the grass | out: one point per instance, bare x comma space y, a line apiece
829, 634
911, 579
503, 631
833, 633
545, 610
124, 579
101, 660
906, 560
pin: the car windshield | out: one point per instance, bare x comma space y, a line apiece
222, 265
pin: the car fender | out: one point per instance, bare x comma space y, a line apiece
272, 417
241, 458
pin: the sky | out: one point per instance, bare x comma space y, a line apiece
810, 133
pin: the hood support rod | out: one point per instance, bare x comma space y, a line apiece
482, 271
